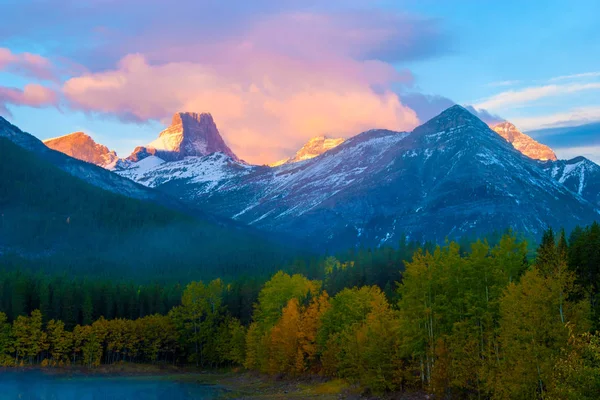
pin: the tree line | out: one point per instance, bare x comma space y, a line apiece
77, 299
479, 321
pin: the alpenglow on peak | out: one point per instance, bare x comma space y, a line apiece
525, 144
81, 146
190, 134
311, 149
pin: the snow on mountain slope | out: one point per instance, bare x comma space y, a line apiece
82, 147
524, 143
211, 169
579, 175
452, 176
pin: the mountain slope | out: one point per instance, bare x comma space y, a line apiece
92, 174
524, 143
189, 135
82, 147
579, 175
63, 222
452, 176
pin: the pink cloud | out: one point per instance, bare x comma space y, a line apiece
26, 64
286, 80
32, 95
265, 109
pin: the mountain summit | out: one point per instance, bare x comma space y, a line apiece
83, 147
311, 149
524, 143
189, 135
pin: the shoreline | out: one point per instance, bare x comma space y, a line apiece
234, 384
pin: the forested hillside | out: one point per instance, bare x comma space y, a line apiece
56, 222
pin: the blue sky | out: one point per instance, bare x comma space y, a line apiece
275, 73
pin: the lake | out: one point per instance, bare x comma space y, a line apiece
39, 385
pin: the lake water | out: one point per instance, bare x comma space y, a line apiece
38, 385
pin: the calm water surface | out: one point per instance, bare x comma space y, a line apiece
29, 385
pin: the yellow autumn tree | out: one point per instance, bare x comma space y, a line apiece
272, 299
310, 323
283, 348
29, 338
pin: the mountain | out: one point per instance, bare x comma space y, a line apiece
313, 148
81, 146
451, 177
579, 175
52, 220
92, 174
189, 135
524, 143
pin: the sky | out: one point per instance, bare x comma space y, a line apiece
274, 73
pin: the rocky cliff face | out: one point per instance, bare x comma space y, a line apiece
524, 143
83, 147
189, 135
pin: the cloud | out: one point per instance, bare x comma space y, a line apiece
426, 106
514, 98
26, 64
503, 83
289, 77
577, 116
267, 106
485, 115
32, 95
576, 76
106, 30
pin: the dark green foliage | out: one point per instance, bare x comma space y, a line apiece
584, 259
52, 221
82, 301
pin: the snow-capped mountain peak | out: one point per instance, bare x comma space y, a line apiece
189, 135
525, 144
81, 146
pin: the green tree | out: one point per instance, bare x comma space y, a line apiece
533, 330
198, 317
6, 341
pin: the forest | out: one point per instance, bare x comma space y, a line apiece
461, 320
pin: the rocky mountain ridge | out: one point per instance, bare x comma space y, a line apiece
82, 147
525, 144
